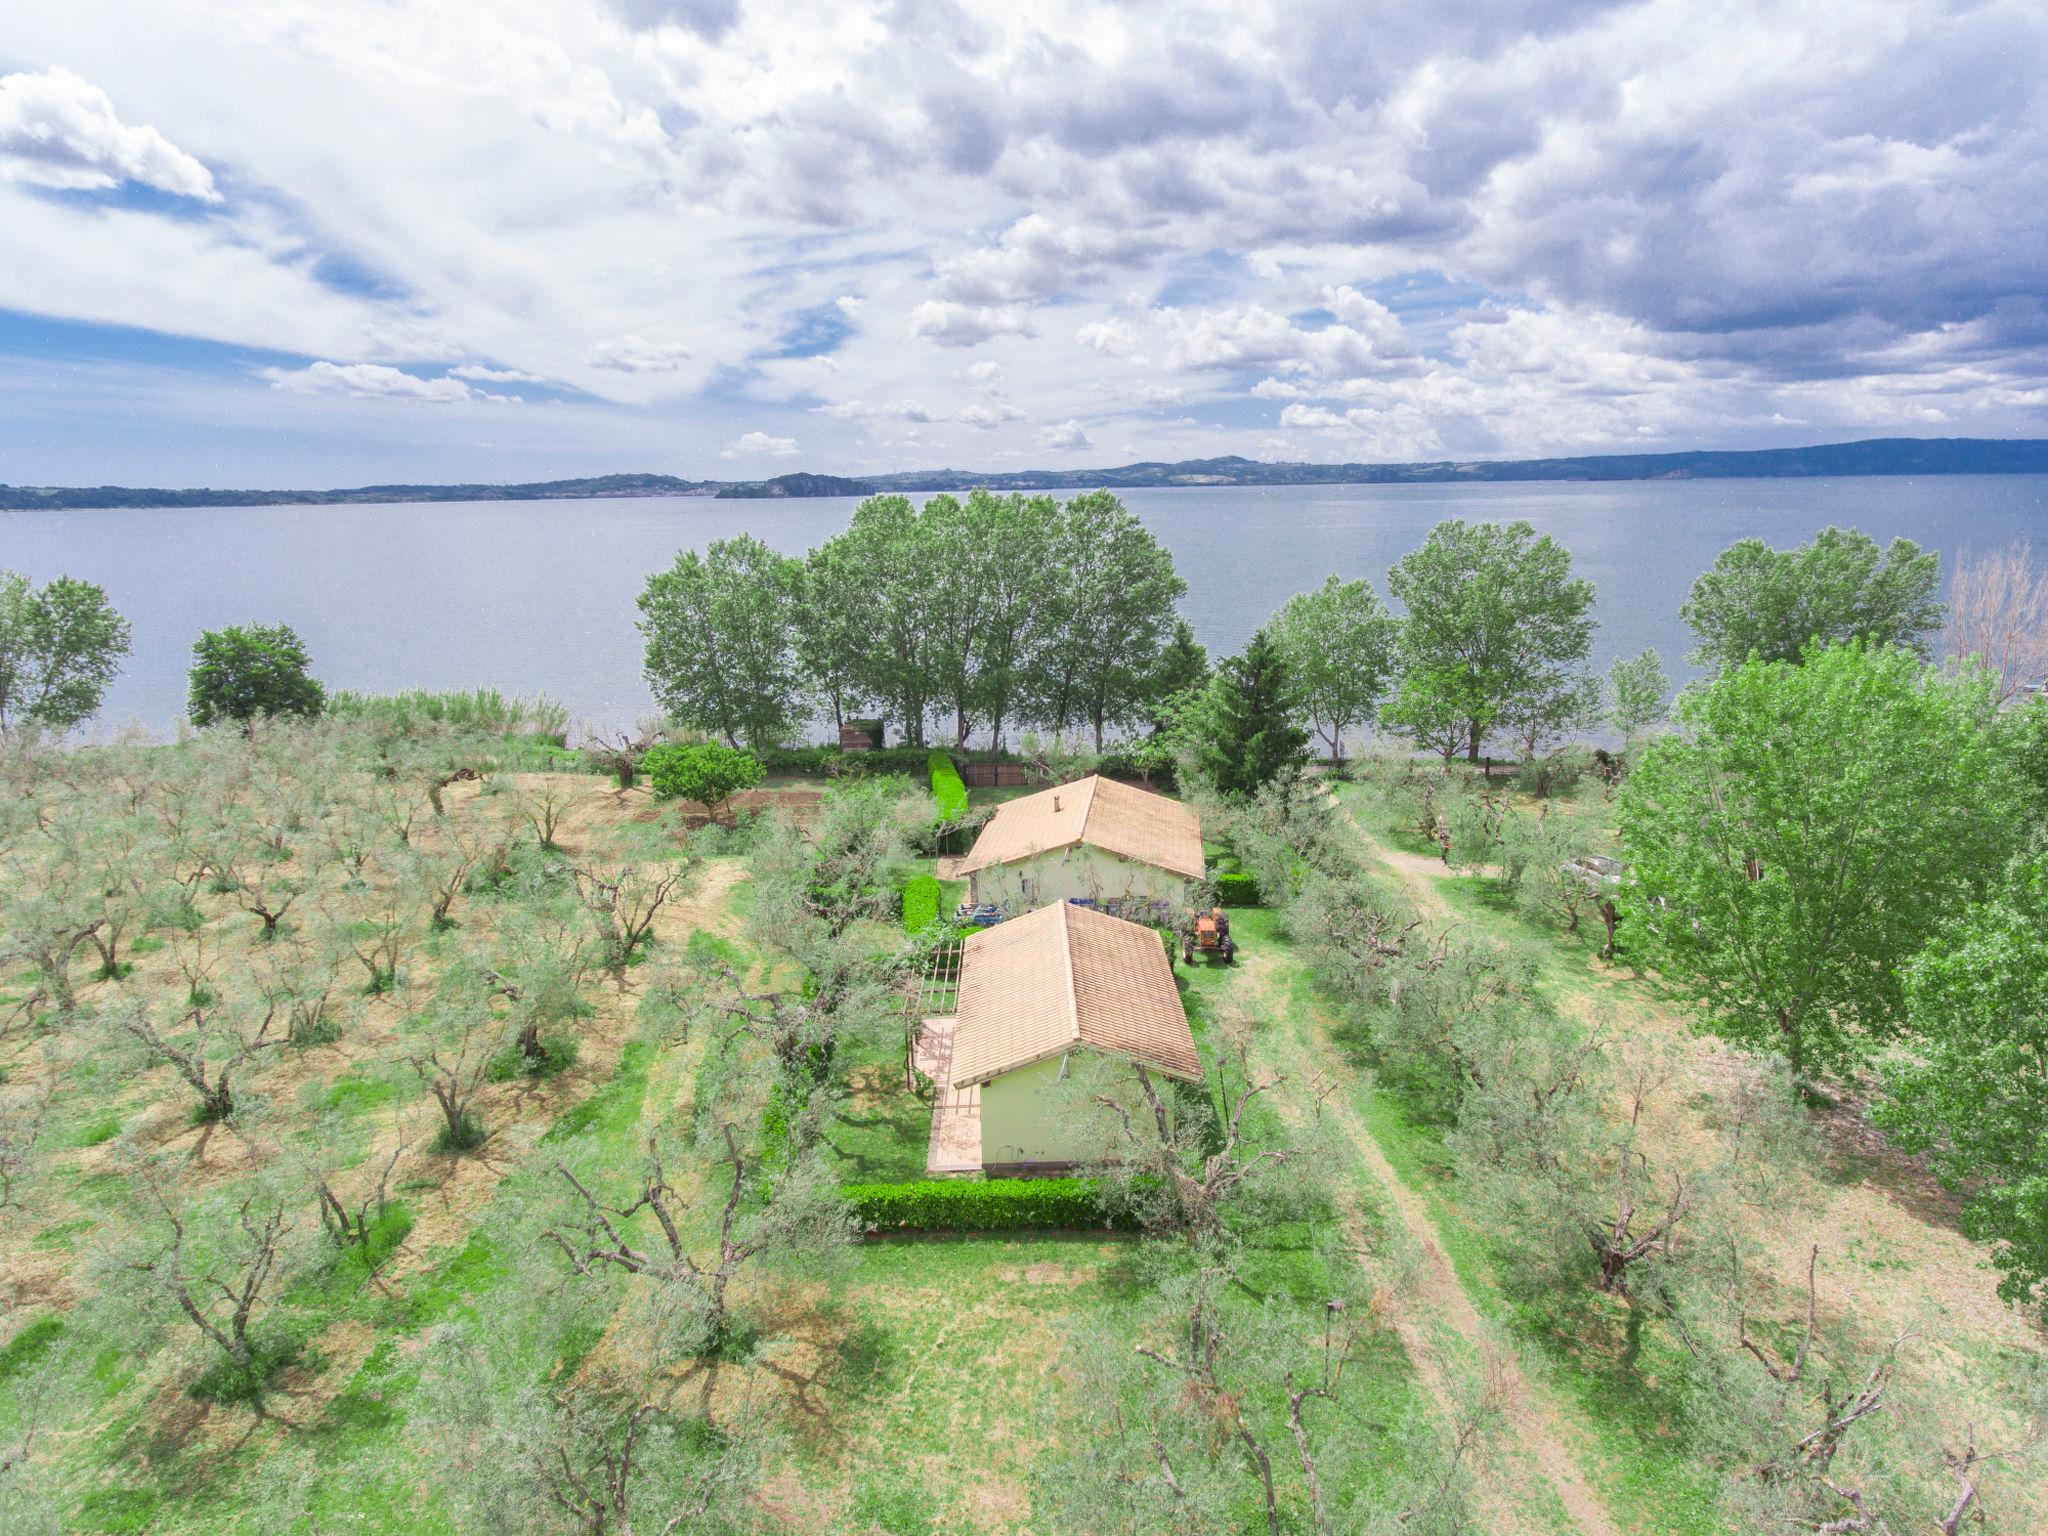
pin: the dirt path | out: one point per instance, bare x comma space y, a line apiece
1440, 1330
1438, 1303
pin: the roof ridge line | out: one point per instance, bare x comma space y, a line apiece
1067, 960
1088, 805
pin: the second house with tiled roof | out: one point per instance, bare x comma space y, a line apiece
1115, 846
1038, 994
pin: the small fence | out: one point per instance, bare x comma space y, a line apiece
1001, 775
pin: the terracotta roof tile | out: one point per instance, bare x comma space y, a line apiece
1118, 818
1063, 976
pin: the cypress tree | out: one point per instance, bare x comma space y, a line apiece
1250, 736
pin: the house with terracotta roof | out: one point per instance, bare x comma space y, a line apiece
1036, 994
1123, 848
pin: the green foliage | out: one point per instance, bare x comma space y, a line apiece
1234, 888
947, 789
60, 645
31, 1342
466, 1135
1440, 707
1244, 734
243, 672
1338, 645
920, 903
721, 639
1497, 629
1636, 693
706, 772
984, 1205
1799, 841
1768, 603
480, 711
1972, 1094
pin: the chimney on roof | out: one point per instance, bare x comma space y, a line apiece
1055, 805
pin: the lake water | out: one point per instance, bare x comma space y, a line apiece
538, 597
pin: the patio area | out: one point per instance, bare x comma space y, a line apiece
955, 1146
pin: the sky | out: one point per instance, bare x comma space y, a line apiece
329, 242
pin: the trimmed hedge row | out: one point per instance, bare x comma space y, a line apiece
978, 1205
947, 787
920, 903
816, 762
1236, 889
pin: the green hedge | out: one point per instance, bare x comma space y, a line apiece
816, 762
920, 903
1236, 889
978, 1205
947, 789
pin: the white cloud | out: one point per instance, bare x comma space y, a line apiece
1615, 224
987, 418
1110, 338
485, 375
368, 381
968, 325
752, 443
636, 354
1064, 435
58, 130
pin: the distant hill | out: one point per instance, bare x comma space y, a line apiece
1875, 456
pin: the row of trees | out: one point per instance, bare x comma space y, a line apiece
986, 614
227, 912
1621, 1227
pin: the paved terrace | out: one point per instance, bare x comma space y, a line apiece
955, 1146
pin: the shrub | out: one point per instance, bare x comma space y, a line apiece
987, 1205
706, 772
1236, 889
920, 903
947, 789
1149, 760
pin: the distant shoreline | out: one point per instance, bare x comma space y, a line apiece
1872, 456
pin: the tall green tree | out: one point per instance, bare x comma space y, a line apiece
1495, 608
60, 645
892, 549
1973, 1090
1181, 671
833, 630
1245, 734
1798, 840
992, 582
1772, 602
1338, 643
721, 639
1637, 693
245, 672
1114, 595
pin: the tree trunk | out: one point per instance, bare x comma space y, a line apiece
1472, 741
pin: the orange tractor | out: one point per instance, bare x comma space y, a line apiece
1209, 934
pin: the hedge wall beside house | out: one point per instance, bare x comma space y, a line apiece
920, 903
947, 789
978, 1205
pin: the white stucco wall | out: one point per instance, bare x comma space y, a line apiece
1082, 870
1019, 1125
